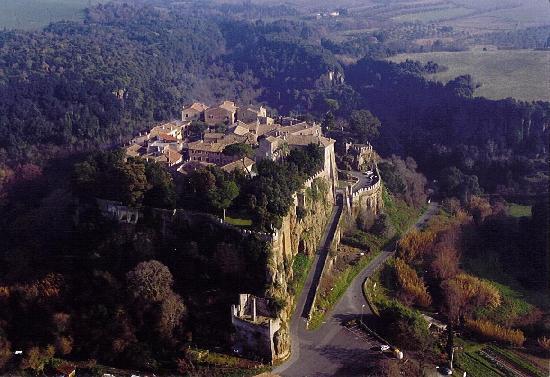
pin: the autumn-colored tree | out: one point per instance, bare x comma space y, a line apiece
464, 293
46, 289
63, 345
61, 321
36, 358
451, 205
5, 351
479, 208
412, 287
184, 365
150, 281
544, 343
446, 262
414, 244
172, 311
488, 330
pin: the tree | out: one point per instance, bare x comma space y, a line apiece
126, 182
464, 293
479, 208
132, 181
329, 122
222, 197
5, 351
197, 129
542, 341
412, 287
162, 192
492, 331
150, 281
463, 86
171, 313
415, 244
453, 182
446, 262
239, 150
36, 358
365, 125
383, 226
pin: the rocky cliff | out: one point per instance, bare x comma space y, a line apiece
301, 232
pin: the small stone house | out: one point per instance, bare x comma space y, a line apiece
252, 114
225, 113
194, 111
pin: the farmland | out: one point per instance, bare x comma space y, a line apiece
521, 74
34, 14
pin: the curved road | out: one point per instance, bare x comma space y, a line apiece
362, 180
334, 350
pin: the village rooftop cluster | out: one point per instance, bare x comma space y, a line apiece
176, 146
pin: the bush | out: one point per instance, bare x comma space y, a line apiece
37, 358
406, 327
383, 227
544, 343
412, 287
491, 331
5, 351
414, 244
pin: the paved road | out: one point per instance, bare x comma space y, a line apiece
334, 350
363, 180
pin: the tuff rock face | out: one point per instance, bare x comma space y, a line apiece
301, 232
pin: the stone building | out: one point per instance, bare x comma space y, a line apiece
362, 155
252, 114
225, 113
255, 327
194, 111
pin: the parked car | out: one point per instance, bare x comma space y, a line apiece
445, 371
384, 347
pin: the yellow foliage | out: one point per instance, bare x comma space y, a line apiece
46, 288
479, 208
492, 331
474, 288
4, 292
544, 343
415, 244
36, 358
411, 284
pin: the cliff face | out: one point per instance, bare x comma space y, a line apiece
301, 232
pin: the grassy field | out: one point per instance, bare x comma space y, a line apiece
518, 210
238, 222
35, 14
434, 15
401, 215
520, 74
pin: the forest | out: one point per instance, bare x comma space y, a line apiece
73, 91
74, 87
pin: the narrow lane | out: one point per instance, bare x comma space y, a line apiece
334, 350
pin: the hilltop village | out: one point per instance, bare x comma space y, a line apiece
208, 136
201, 136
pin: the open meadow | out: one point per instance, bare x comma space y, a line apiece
521, 74
35, 14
